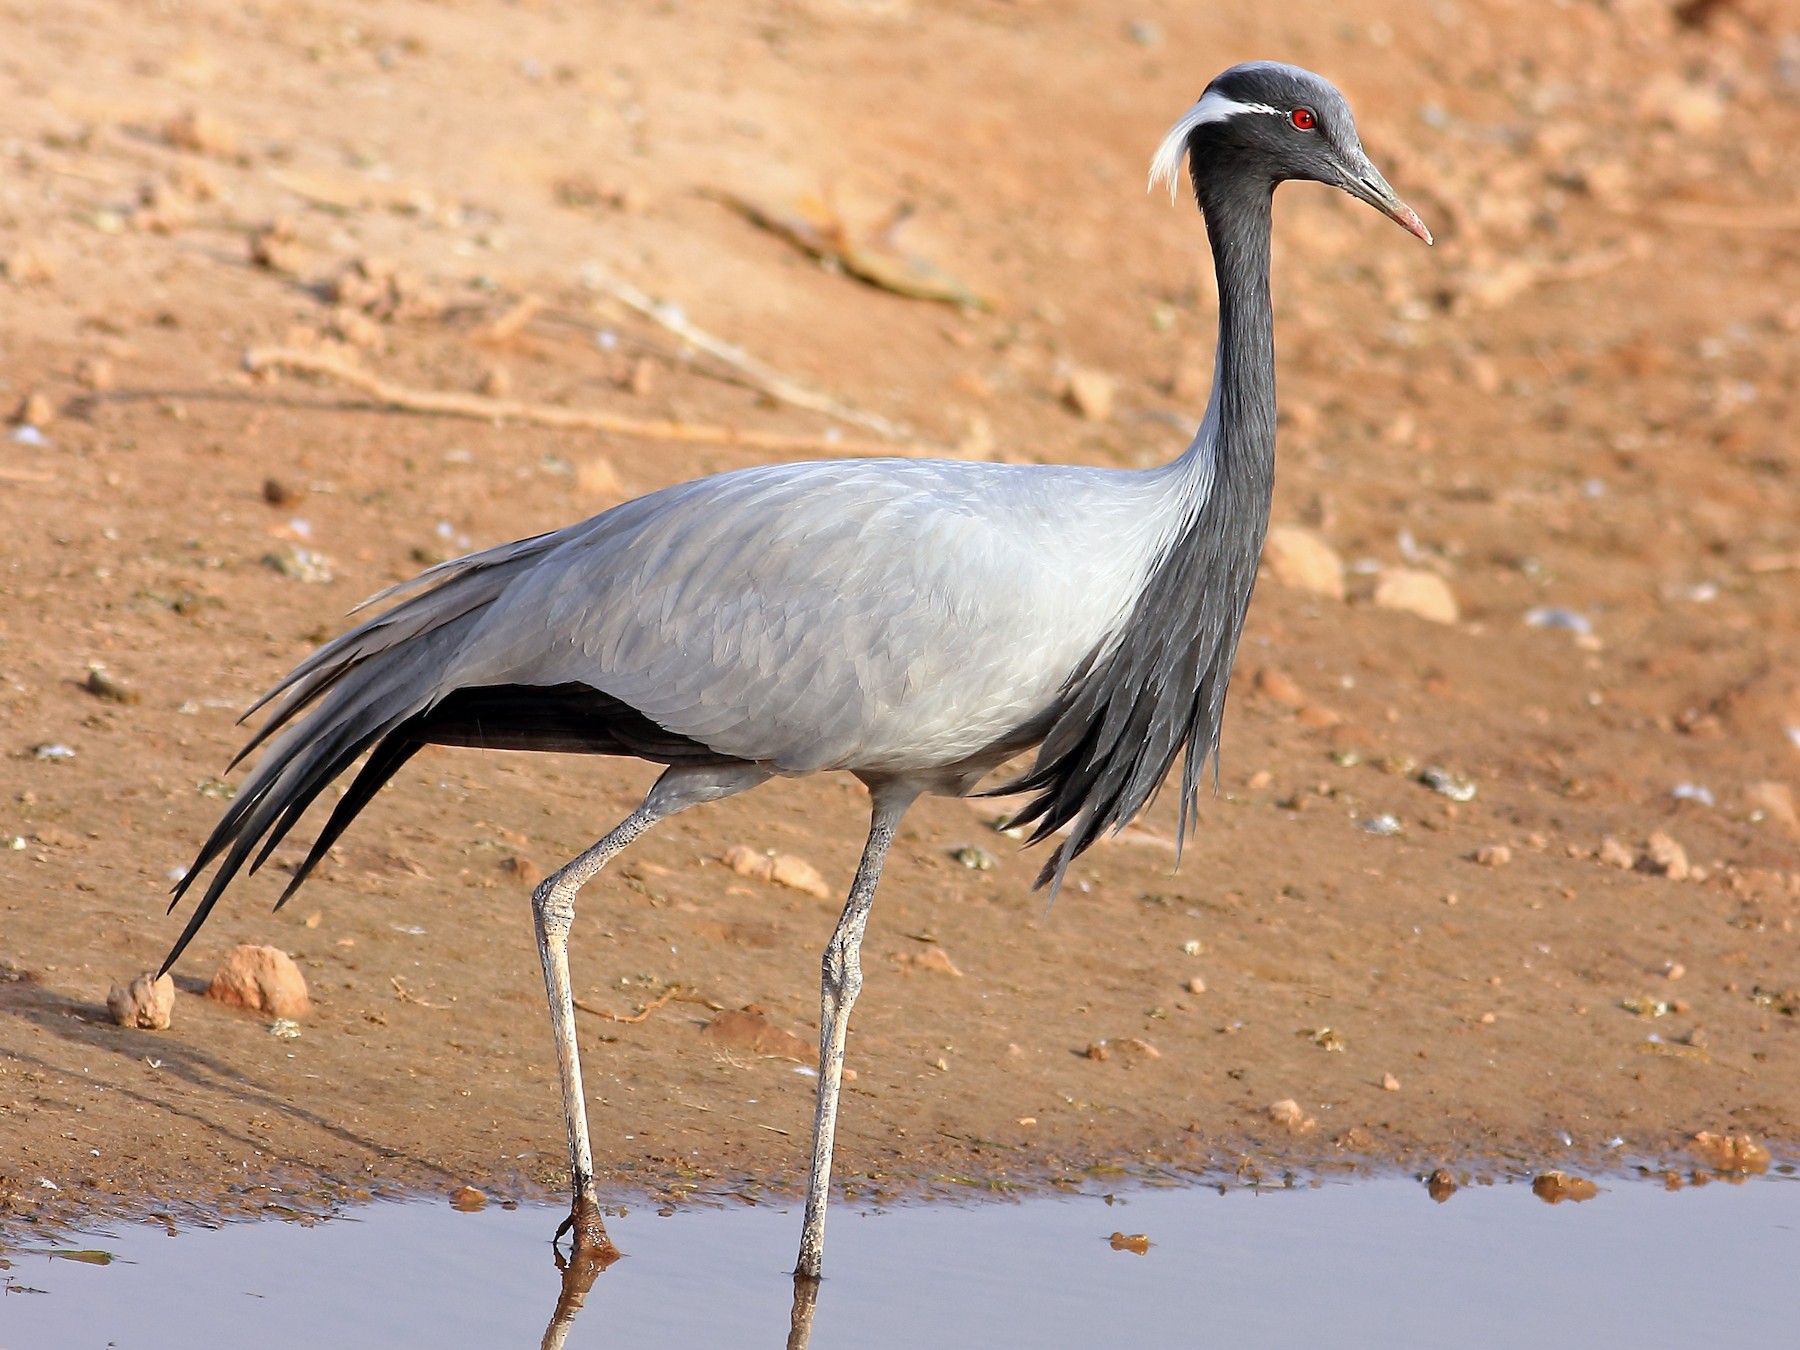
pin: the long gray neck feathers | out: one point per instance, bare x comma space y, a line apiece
1157, 686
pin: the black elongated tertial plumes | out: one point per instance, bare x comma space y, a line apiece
1160, 688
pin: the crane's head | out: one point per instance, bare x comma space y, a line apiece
1273, 122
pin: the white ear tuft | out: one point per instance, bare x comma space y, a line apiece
1165, 167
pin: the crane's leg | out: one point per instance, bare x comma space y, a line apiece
840, 982
553, 910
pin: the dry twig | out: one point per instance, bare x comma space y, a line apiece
673, 994
482, 408
769, 380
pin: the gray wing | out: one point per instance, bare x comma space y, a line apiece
878, 614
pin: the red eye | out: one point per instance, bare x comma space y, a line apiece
1304, 119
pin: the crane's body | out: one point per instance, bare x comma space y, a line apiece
915, 623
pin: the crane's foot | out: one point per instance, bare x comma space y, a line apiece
589, 1246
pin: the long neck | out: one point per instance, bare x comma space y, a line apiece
1158, 685
1240, 416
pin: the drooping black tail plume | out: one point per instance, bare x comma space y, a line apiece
381, 689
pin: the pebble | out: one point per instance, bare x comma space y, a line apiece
1196, 985
784, 869
1279, 687
523, 870
932, 958
106, 686
1447, 784
1287, 1113
1664, 857
1440, 1185
262, 979
1300, 558
1555, 1187
1090, 393
468, 1200
595, 476
1136, 1243
1775, 801
34, 410
1729, 1152
1555, 616
94, 372
1385, 825
28, 266
1414, 591
201, 132
973, 858
1389, 1083
147, 1003
1493, 855
1614, 854
304, 565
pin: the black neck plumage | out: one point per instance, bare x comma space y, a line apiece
1157, 686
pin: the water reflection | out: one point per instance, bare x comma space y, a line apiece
1365, 1264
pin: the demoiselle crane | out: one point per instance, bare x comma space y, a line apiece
915, 623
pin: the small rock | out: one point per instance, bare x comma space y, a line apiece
1555, 1187
1729, 1152
275, 248
932, 958
1317, 717
1664, 857
1775, 801
782, 868
1137, 1047
468, 1200
973, 858
202, 132
1389, 1083
34, 410
799, 875
1090, 393
1287, 1114
262, 979
596, 477
1493, 855
1692, 109
94, 372
496, 382
1280, 687
1615, 854
277, 493
1414, 591
301, 564
1137, 1243
147, 1003
101, 684
1196, 985
749, 1028
27, 266
643, 377
1300, 558
523, 870
1440, 1185
1098, 1051
1447, 784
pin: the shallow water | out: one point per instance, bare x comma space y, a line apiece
1342, 1265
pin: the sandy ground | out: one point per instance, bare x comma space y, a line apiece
1581, 399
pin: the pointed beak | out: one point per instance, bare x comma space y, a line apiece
1367, 185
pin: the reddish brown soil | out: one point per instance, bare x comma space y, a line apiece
1582, 397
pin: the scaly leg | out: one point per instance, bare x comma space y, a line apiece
840, 982
553, 910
